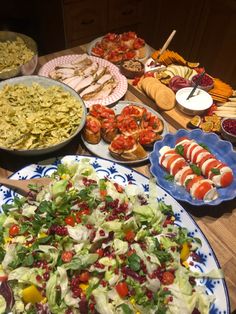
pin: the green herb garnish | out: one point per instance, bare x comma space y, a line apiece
195, 169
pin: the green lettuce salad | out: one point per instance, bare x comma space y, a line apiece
85, 244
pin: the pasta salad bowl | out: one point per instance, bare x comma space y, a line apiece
38, 115
19, 54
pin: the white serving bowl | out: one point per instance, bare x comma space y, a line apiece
45, 82
195, 105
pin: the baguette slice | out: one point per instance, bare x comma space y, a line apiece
92, 130
126, 148
109, 129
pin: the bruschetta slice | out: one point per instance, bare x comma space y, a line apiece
101, 112
109, 129
127, 125
152, 122
126, 148
92, 130
134, 111
148, 137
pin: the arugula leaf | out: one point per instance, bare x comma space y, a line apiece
134, 262
125, 308
180, 149
195, 169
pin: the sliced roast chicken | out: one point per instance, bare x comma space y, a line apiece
86, 77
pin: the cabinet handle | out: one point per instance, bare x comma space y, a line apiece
127, 12
86, 22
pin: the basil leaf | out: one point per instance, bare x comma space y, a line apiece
215, 170
180, 149
204, 146
169, 177
195, 169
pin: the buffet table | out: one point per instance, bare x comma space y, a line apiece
218, 223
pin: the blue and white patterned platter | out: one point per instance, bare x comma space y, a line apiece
223, 150
206, 259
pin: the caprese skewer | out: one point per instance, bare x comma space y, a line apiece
183, 174
209, 166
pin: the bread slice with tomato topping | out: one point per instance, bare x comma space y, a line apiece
134, 111
101, 112
126, 148
109, 129
92, 130
147, 138
127, 125
151, 122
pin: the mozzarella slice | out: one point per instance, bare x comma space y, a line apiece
204, 165
179, 174
211, 195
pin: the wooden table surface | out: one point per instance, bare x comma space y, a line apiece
218, 223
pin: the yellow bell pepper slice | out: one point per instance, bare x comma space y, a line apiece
32, 295
185, 251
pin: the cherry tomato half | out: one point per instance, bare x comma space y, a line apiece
130, 235
14, 230
70, 220
167, 278
84, 276
67, 256
122, 289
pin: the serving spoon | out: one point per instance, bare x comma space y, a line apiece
22, 186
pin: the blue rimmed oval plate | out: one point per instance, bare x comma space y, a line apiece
206, 259
223, 151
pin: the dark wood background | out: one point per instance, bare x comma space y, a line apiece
206, 29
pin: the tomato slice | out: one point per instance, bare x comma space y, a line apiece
169, 152
167, 278
194, 158
178, 166
171, 160
192, 181
201, 190
226, 179
205, 158
190, 151
211, 165
122, 289
181, 139
185, 174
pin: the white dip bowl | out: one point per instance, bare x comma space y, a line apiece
195, 105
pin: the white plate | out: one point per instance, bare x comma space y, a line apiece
101, 149
118, 92
123, 175
93, 43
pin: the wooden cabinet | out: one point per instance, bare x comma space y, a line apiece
215, 40
84, 20
206, 32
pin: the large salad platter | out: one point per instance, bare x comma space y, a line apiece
203, 261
